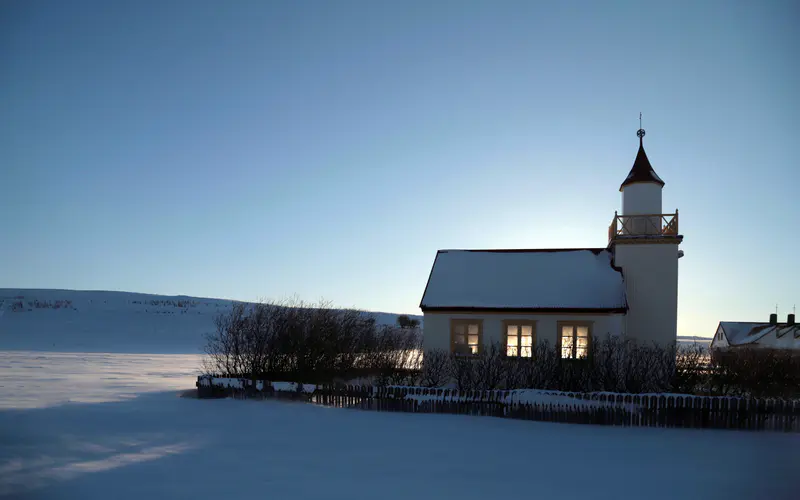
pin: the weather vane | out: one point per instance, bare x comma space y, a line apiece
640, 132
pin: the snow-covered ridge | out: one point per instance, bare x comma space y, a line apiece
106, 321
694, 339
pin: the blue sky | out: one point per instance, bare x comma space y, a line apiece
328, 149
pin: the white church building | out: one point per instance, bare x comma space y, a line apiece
567, 297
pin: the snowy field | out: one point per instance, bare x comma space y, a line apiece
101, 321
46, 379
113, 426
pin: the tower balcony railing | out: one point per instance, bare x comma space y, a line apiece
653, 225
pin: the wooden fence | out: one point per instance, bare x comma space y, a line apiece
638, 410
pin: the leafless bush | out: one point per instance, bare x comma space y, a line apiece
648, 368
691, 369
225, 347
756, 372
394, 355
461, 372
309, 343
317, 343
542, 370
404, 321
490, 367
613, 364
435, 368
515, 372
609, 363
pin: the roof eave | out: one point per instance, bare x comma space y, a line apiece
649, 181
526, 310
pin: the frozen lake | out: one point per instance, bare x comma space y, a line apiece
106, 426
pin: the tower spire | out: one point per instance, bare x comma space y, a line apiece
642, 171
640, 132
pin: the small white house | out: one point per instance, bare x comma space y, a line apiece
564, 296
771, 335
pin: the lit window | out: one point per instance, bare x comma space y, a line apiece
465, 336
574, 341
519, 339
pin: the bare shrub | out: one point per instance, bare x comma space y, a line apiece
405, 321
225, 347
514, 371
609, 364
489, 368
461, 372
541, 372
635, 367
394, 356
435, 368
309, 343
316, 343
613, 364
691, 369
756, 372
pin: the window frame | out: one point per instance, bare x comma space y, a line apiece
574, 325
519, 323
466, 322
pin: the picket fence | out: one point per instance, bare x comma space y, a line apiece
637, 410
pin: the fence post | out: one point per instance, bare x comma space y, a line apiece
652, 411
669, 414
725, 412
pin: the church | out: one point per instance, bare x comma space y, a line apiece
567, 297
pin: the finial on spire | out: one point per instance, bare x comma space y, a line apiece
640, 132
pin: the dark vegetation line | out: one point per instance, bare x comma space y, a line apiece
314, 343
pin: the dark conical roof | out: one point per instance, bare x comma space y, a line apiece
641, 171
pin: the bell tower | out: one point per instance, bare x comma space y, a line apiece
645, 242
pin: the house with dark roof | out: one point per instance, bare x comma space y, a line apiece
567, 297
731, 335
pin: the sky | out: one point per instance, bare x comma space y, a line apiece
327, 150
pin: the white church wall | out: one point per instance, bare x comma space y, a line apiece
641, 198
651, 282
436, 330
638, 199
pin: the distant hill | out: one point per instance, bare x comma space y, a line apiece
692, 339
102, 321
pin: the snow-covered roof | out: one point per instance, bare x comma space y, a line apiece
641, 171
781, 335
526, 280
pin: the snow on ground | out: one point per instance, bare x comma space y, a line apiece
31, 379
79, 432
99, 321
692, 339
